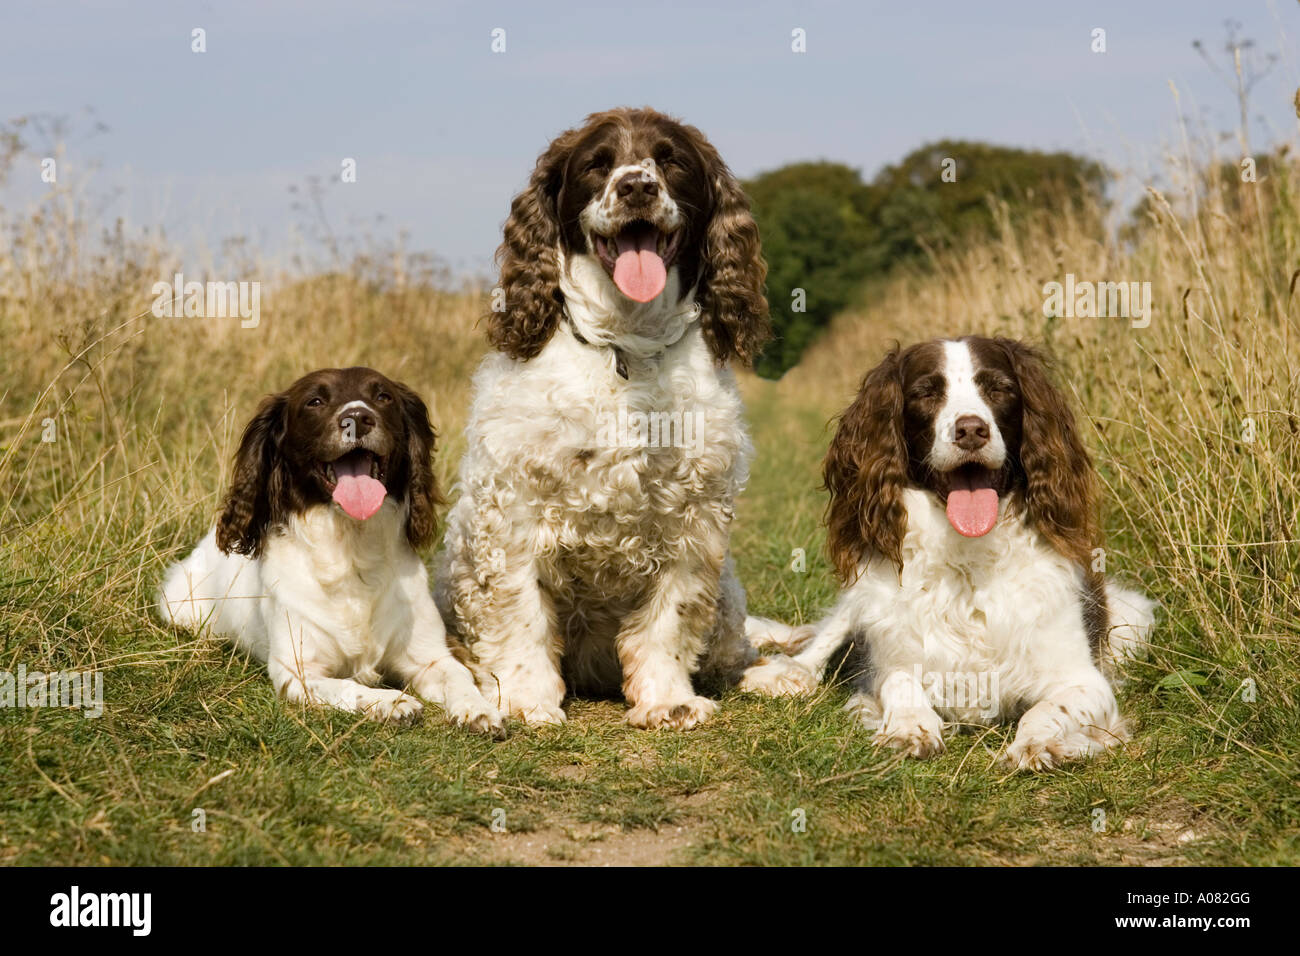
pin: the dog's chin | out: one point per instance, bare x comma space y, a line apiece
637, 257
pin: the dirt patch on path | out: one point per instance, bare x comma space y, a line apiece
1162, 836
589, 845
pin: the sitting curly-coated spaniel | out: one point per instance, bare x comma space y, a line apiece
606, 447
963, 522
312, 566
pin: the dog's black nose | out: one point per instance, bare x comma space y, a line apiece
971, 432
637, 187
357, 420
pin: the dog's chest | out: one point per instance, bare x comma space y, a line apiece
341, 574
980, 605
622, 474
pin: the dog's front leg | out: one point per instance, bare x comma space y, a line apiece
829, 635
436, 667
515, 630
902, 715
659, 645
1076, 717
301, 669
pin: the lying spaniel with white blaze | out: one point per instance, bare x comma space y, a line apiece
590, 545
312, 567
963, 521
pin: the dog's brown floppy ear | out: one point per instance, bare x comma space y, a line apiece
865, 471
531, 304
730, 292
1061, 485
423, 496
256, 498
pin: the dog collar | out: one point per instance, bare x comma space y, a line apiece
620, 360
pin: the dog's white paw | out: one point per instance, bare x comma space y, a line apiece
1051, 734
389, 706
764, 632
778, 676
531, 696
487, 722
678, 715
916, 731
1032, 752
478, 716
538, 715
1035, 751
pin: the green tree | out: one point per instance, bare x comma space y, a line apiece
826, 231
817, 237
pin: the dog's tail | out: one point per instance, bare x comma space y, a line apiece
1132, 616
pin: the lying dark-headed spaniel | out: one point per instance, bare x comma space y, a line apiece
963, 521
312, 567
590, 546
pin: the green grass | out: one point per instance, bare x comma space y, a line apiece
188, 725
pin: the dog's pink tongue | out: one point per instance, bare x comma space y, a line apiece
639, 270
356, 492
973, 513
972, 506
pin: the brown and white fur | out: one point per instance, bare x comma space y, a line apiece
334, 604
581, 555
943, 589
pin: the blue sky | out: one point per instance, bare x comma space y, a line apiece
444, 131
